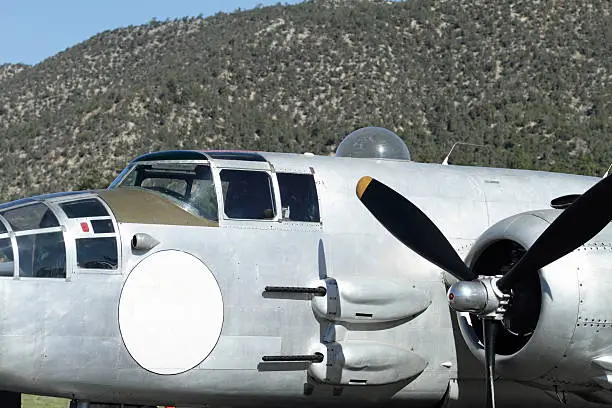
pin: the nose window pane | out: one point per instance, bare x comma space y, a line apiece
6, 257
97, 253
30, 217
84, 208
42, 255
102, 226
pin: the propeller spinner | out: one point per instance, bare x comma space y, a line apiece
487, 296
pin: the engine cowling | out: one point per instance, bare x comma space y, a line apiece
553, 331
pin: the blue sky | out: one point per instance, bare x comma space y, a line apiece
31, 31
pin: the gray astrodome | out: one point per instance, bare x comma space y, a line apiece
373, 143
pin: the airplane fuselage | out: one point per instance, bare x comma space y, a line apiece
113, 335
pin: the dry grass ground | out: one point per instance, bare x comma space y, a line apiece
34, 401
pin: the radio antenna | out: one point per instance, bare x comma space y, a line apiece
445, 161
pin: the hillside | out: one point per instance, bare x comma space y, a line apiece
8, 70
530, 79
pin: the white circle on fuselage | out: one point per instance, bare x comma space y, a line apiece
170, 312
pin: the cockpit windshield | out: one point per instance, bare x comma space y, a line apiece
189, 185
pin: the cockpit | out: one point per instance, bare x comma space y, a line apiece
188, 185
230, 192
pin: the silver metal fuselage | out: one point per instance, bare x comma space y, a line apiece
62, 337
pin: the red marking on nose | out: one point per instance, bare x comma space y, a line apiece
451, 296
85, 227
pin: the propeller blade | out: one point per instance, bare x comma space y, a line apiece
577, 224
411, 226
490, 328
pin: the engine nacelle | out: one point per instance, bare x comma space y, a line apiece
560, 322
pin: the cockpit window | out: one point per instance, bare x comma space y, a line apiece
247, 194
29, 217
298, 197
189, 185
168, 186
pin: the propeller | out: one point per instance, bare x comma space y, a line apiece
490, 328
411, 226
577, 224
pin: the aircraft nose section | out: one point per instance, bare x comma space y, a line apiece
37, 234
32, 231
170, 312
